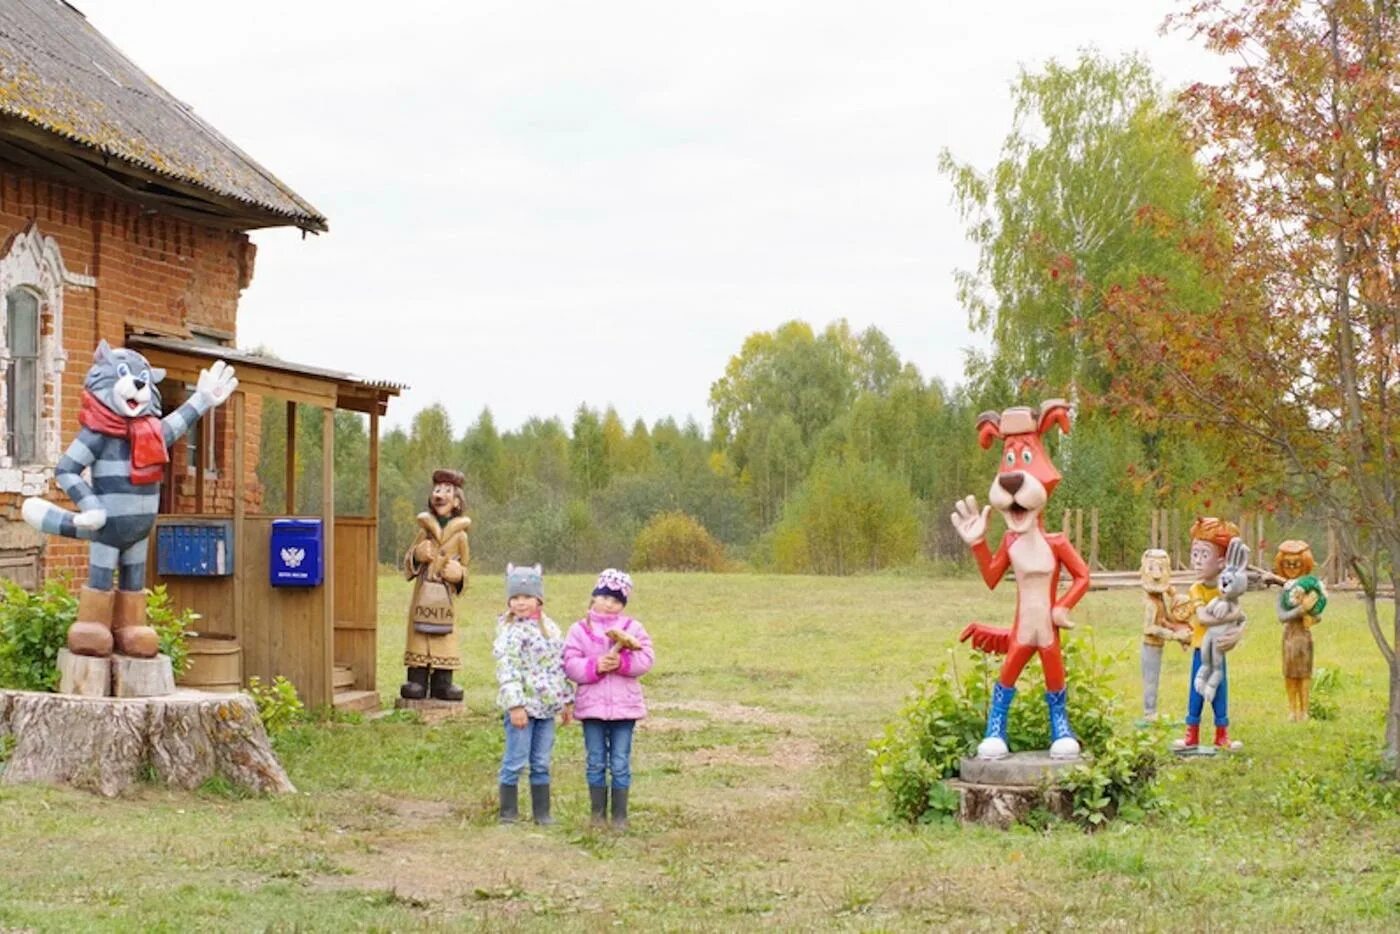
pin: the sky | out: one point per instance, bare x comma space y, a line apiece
534, 205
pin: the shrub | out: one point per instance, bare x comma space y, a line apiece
279, 708
847, 517
674, 541
34, 626
944, 721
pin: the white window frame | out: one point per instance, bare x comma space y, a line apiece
34, 263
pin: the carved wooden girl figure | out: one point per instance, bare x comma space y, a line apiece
1300, 606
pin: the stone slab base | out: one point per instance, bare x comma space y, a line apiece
431, 709
1030, 769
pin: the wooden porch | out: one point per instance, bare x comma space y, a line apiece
322, 638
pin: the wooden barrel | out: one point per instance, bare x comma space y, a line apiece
216, 663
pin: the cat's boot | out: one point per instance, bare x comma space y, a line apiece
416, 687
1063, 744
91, 632
130, 633
993, 745
1191, 741
442, 686
597, 805
510, 804
619, 808
539, 804
1223, 741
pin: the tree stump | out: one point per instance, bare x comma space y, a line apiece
84, 674
1002, 792
142, 677
105, 744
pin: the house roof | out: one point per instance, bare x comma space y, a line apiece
69, 96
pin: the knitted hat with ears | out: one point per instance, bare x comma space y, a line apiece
525, 581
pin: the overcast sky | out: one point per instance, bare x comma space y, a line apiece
537, 204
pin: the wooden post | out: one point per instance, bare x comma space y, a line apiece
291, 496
328, 533
1094, 539
1079, 530
1154, 541
1259, 539
240, 436
1064, 525
373, 507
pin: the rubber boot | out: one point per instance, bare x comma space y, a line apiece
539, 804
91, 633
1063, 744
619, 808
443, 688
130, 634
993, 745
1192, 740
416, 688
598, 805
510, 804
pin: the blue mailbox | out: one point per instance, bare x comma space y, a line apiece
297, 553
195, 548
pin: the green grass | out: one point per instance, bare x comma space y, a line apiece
751, 799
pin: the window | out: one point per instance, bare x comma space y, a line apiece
33, 280
23, 389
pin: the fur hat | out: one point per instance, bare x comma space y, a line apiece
448, 475
1216, 531
614, 583
525, 581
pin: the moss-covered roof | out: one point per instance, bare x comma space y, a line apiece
59, 74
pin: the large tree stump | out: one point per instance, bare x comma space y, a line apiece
1002, 792
105, 744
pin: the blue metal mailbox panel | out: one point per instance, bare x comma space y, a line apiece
195, 549
296, 553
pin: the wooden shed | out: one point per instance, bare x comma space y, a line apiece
322, 638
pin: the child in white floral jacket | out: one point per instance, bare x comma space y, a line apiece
529, 653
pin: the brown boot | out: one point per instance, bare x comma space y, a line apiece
91, 632
129, 630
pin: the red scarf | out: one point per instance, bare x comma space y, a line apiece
148, 453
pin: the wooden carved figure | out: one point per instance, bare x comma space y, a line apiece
1300, 606
124, 444
437, 564
1162, 622
1020, 491
1211, 539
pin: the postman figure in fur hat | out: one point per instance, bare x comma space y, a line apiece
1020, 491
437, 564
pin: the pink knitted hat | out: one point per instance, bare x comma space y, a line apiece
614, 583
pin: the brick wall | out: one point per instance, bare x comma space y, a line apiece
153, 272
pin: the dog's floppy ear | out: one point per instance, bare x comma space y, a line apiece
1053, 412
988, 428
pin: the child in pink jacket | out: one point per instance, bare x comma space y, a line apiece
605, 653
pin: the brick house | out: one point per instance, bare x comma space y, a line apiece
121, 212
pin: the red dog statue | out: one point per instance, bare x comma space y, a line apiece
1022, 487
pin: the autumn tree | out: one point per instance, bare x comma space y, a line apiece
1296, 366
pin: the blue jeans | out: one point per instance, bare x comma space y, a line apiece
1220, 706
532, 743
608, 745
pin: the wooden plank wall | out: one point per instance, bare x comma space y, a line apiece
356, 598
282, 630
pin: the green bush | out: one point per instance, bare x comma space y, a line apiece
279, 708
34, 626
674, 541
1322, 701
847, 517
944, 721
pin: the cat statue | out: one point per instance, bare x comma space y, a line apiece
124, 444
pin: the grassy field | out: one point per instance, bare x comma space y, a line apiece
751, 798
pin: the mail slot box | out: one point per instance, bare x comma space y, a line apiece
297, 553
195, 549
